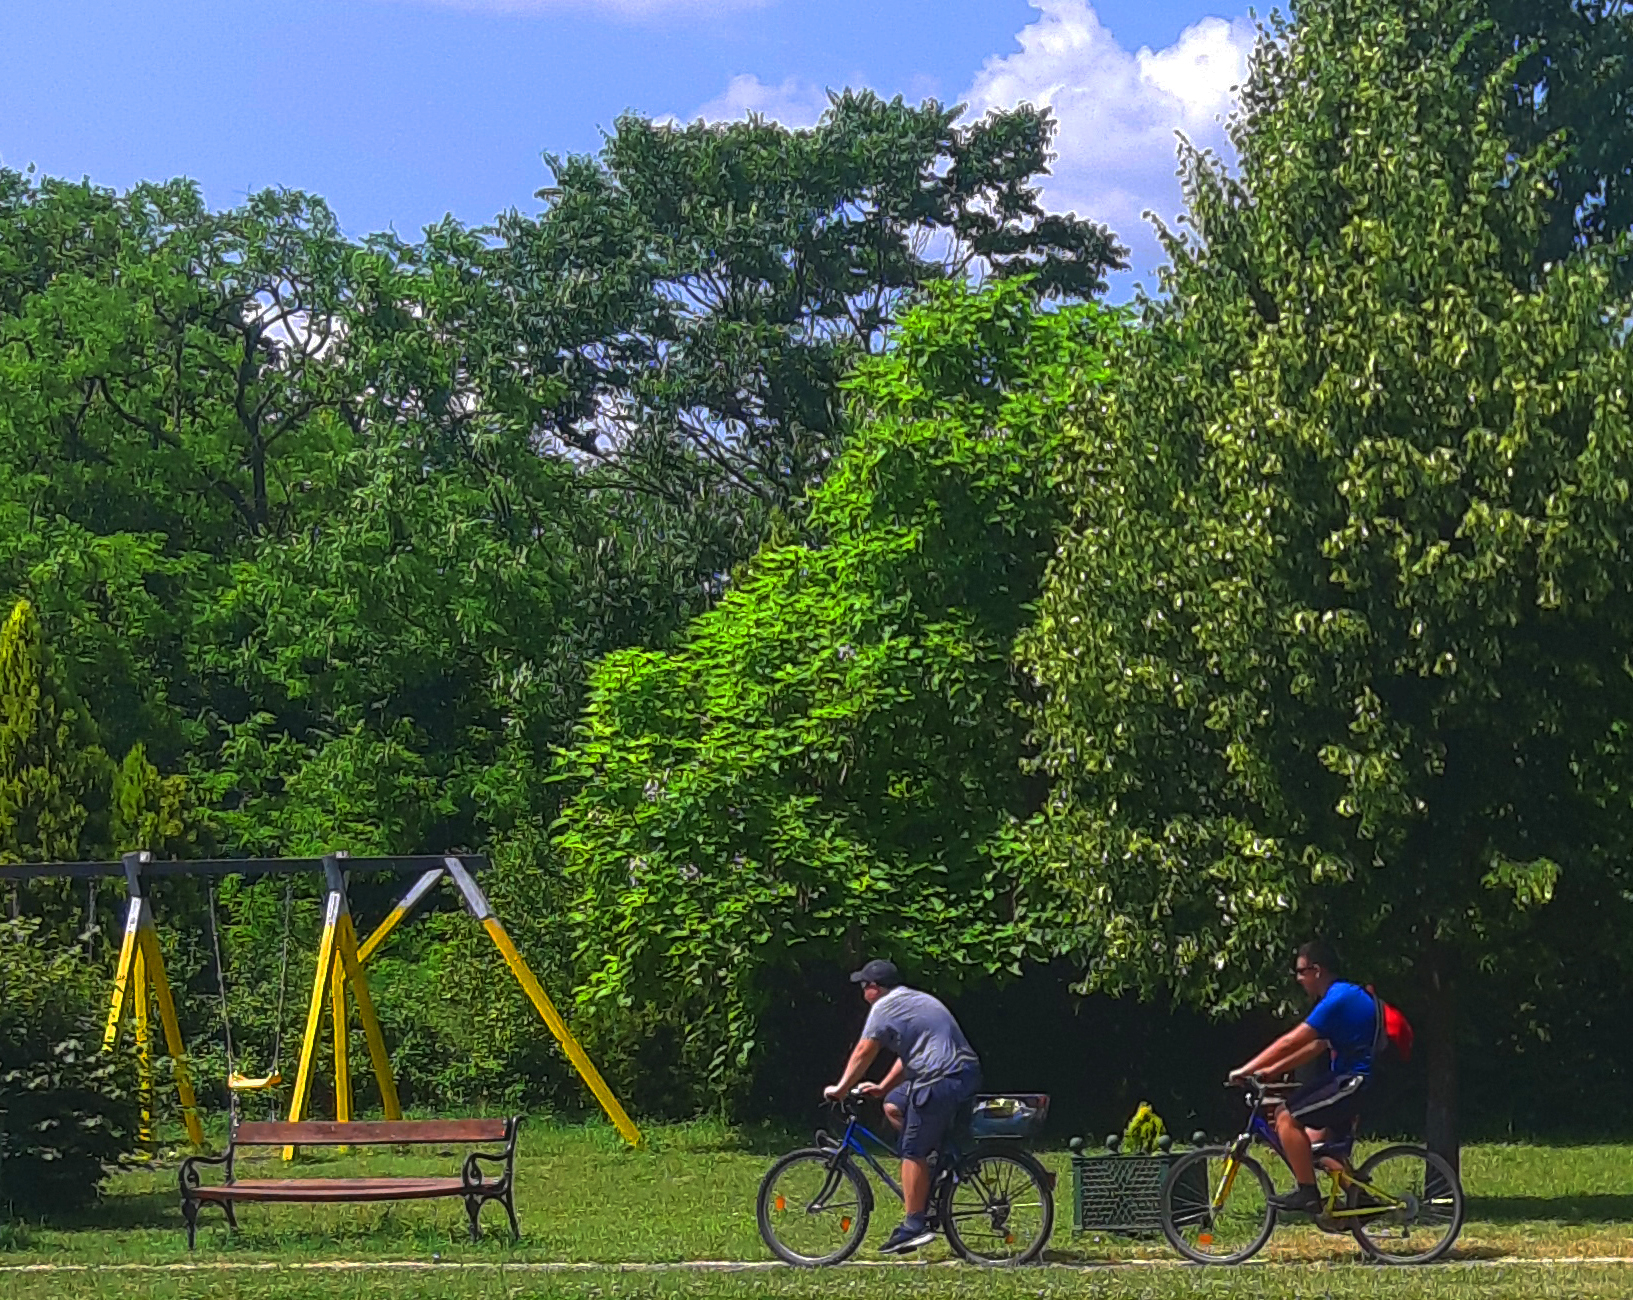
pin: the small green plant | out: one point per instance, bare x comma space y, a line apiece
1143, 1131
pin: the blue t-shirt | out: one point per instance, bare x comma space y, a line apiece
1347, 1018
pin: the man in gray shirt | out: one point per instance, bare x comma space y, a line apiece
935, 1072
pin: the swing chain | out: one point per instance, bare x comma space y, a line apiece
226, 1012
283, 982
220, 977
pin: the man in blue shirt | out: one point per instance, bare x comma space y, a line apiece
934, 1073
1340, 1028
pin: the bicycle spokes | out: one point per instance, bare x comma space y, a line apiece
812, 1207
997, 1208
1405, 1205
1216, 1206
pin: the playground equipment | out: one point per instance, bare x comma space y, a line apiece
140, 975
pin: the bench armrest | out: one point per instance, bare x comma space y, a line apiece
187, 1175
471, 1173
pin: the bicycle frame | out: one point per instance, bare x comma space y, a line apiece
852, 1143
1341, 1175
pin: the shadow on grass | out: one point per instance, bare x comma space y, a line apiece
1602, 1207
157, 1209
1475, 1253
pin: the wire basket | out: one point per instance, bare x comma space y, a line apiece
1120, 1193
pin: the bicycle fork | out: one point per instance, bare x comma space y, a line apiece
1227, 1179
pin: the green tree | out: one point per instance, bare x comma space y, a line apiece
1569, 80
828, 761
67, 1109
53, 772
1336, 641
685, 308
149, 810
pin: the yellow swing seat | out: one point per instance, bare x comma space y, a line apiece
241, 1083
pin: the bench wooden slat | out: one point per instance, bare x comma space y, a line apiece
330, 1189
329, 1133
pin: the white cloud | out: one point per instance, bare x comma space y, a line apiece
625, 9
1117, 112
794, 103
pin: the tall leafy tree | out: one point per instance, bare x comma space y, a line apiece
1570, 81
1337, 639
687, 304
171, 395
831, 758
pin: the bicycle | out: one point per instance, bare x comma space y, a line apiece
994, 1202
1404, 1205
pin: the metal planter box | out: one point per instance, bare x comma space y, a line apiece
1118, 1193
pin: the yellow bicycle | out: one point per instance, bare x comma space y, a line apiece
1404, 1205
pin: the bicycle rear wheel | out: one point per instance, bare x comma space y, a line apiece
1216, 1207
1427, 1206
813, 1208
998, 1207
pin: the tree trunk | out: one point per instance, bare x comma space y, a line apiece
1440, 1003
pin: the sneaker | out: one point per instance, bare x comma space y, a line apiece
1301, 1200
907, 1238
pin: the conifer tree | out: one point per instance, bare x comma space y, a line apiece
150, 811
53, 771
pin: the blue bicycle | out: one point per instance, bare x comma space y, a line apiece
991, 1199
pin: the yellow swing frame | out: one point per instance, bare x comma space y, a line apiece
340, 963
139, 972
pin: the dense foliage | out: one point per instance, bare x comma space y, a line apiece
323, 542
826, 764
1337, 639
688, 303
568, 539
67, 1111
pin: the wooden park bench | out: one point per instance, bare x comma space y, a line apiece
471, 1185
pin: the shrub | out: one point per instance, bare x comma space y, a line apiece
67, 1111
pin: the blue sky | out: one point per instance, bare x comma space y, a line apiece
398, 111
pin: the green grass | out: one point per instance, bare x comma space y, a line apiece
583, 1197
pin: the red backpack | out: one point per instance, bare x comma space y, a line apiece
1392, 1038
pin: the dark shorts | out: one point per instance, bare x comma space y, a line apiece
1333, 1102
928, 1109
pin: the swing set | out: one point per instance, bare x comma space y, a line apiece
140, 981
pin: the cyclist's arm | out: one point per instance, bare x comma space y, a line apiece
1299, 1044
861, 1057
893, 1076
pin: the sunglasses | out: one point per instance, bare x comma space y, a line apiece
1304, 970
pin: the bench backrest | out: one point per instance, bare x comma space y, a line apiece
392, 1132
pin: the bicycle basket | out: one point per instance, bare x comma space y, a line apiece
1008, 1115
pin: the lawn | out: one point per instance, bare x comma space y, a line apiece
586, 1200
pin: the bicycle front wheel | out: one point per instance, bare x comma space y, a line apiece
1216, 1206
1421, 1205
998, 1207
813, 1208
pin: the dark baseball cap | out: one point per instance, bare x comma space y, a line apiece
878, 971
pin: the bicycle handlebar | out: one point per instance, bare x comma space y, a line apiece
847, 1103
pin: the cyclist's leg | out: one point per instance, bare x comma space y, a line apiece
1332, 1103
931, 1109
895, 1103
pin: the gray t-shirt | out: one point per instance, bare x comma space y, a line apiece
919, 1029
